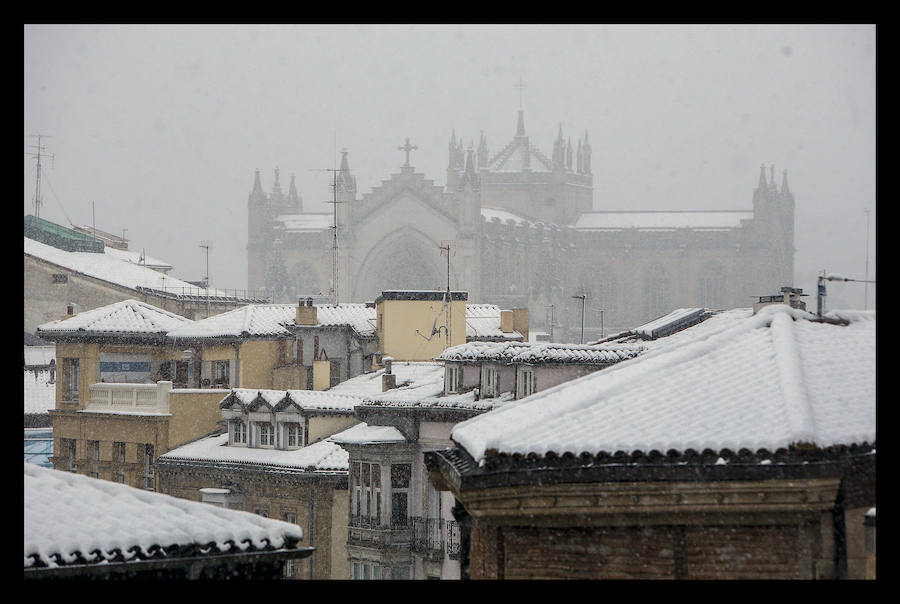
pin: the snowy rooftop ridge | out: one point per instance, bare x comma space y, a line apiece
541, 352
303, 399
275, 320
111, 269
767, 381
116, 521
323, 456
650, 219
126, 317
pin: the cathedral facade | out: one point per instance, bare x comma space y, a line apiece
520, 231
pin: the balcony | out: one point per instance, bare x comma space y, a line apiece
131, 398
429, 537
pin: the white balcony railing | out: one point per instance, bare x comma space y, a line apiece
136, 398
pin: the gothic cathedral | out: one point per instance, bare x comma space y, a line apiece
523, 232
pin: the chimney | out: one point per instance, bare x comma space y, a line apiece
306, 312
506, 321
388, 379
789, 296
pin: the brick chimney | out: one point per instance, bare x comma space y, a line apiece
306, 312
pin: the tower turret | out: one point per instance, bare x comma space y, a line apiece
586, 154
482, 152
294, 201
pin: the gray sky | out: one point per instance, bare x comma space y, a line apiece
162, 126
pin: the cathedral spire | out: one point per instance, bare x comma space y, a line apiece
559, 150
762, 177
772, 175
295, 202
579, 162
784, 184
569, 155
276, 188
520, 126
257, 186
452, 150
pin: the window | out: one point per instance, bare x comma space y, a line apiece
266, 436
289, 569
452, 378
94, 455
400, 572
147, 466
70, 379
365, 498
289, 517
366, 571
237, 433
120, 477
262, 512
221, 373
400, 476
293, 436
526, 382
119, 452
67, 446
490, 381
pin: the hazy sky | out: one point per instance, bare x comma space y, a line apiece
162, 126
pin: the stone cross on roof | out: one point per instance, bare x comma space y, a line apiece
407, 147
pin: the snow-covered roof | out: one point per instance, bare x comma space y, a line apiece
363, 434
305, 222
249, 320
700, 219
483, 323
541, 352
466, 401
274, 319
765, 382
321, 400
490, 214
413, 377
39, 392
324, 456
125, 317
40, 355
668, 323
135, 257
576, 353
69, 516
107, 267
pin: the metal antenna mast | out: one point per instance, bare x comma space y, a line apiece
447, 249
38, 201
335, 256
205, 245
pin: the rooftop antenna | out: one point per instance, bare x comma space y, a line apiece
38, 154
335, 255
446, 248
205, 245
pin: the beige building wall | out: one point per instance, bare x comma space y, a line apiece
323, 426
397, 323
321, 375
194, 413
257, 360
88, 356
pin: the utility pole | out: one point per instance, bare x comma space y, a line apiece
582, 298
820, 299
38, 201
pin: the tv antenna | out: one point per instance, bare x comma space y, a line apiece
335, 257
205, 245
447, 248
38, 154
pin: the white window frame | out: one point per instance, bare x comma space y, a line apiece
289, 429
451, 378
267, 430
237, 433
527, 381
490, 380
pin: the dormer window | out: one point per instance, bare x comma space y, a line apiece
490, 381
292, 435
237, 433
452, 378
265, 434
